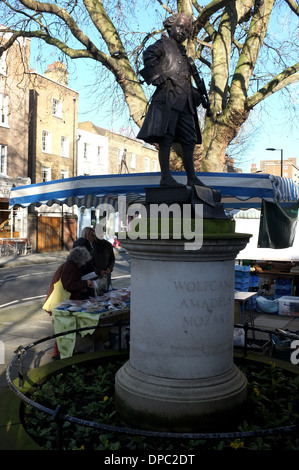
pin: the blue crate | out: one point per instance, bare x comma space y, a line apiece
242, 271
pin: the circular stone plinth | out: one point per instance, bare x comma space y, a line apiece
172, 405
181, 376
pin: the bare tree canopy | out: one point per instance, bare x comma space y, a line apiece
245, 58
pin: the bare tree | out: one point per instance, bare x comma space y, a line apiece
243, 62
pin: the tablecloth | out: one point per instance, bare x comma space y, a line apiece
71, 315
64, 320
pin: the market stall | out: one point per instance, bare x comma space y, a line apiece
238, 190
274, 195
75, 314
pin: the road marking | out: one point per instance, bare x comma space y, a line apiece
44, 295
120, 277
22, 300
12, 277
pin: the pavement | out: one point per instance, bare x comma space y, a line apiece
27, 323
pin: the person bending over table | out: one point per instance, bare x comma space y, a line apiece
70, 274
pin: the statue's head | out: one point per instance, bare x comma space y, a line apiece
178, 25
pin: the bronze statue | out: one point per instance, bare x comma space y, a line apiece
172, 115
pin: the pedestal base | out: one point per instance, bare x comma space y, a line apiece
207, 197
181, 376
173, 405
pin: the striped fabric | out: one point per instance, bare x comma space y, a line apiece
237, 189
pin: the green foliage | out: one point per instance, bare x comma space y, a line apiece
87, 393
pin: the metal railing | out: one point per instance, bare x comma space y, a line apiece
60, 417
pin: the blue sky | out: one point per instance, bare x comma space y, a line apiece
273, 127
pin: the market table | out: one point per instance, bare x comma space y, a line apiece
75, 314
241, 298
13, 246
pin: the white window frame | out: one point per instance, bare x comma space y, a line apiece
3, 159
46, 141
46, 174
155, 165
64, 147
56, 107
64, 174
133, 161
146, 164
119, 156
100, 155
4, 110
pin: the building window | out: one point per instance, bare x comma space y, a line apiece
155, 165
100, 155
46, 174
3, 159
46, 141
3, 110
64, 174
85, 151
119, 156
64, 146
146, 164
56, 107
133, 160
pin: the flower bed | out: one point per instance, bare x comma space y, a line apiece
86, 391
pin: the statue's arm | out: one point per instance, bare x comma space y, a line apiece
152, 71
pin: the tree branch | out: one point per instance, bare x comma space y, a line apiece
66, 18
293, 6
250, 52
288, 76
208, 11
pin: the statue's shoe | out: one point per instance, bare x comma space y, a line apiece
169, 181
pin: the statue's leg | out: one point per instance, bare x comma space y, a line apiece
188, 161
166, 178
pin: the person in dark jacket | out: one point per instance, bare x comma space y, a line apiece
172, 114
103, 257
85, 240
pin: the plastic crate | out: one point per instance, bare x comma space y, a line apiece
281, 348
288, 305
283, 287
242, 286
242, 271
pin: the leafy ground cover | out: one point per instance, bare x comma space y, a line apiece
87, 393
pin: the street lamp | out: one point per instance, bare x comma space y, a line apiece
281, 158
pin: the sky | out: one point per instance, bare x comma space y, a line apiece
273, 127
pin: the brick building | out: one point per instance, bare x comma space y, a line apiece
14, 107
53, 121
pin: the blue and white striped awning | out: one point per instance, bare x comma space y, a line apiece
239, 190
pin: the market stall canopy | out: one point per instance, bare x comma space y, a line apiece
277, 197
239, 190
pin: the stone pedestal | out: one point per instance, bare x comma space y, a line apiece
181, 375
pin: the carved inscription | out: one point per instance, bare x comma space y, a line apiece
209, 349
204, 286
203, 300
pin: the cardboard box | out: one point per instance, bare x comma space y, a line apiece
288, 305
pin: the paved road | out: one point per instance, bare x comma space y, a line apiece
31, 281
22, 320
